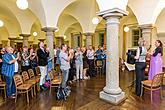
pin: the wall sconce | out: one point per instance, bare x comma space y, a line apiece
127, 26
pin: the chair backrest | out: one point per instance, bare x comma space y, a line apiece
25, 76
31, 73
99, 63
157, 80
18, 80
51, 73
38, 71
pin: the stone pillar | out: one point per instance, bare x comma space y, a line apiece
4, 43
147, 34
74, 40
89, 38
25, 39
49, 40
12, 42
112, 92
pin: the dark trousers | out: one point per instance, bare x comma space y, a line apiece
25, 68
139, 69
91, 67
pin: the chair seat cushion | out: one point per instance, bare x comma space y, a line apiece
148, 83
56, 81
31, 82
24, 87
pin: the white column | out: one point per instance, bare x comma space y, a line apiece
88, 38
25, 39
112, 92
147, 34
49, 40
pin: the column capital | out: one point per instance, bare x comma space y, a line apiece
115, 12
88, 34
41, 39
146, 28
48, 29
25, 35
10, 38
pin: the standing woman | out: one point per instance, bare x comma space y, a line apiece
140, 64
156, 63
79, 64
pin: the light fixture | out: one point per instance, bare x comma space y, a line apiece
1, 23
22, 4
34, 34
95, 20
126, 29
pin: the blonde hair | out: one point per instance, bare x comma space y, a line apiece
141, 42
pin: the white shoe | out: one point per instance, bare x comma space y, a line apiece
85, 77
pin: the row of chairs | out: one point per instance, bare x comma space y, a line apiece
25, 83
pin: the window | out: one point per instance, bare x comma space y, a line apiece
101, 39
136, 33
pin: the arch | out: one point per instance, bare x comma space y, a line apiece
160, 8
71, 20
25, 18
10, 20
85, 18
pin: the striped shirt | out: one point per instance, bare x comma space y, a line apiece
8, 69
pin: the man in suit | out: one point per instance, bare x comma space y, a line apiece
42, 63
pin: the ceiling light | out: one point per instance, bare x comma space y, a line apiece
22, 4
1, 23
34, 34
95, 20
126, 29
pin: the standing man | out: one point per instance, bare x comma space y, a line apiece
90, 56
64, 64
42, 63
9, 68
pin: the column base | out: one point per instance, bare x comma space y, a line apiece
114, 99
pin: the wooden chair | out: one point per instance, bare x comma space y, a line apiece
99, 65
27, 80
3, 86
33, 77
154, 84
22, 88
55, 81
38, 73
